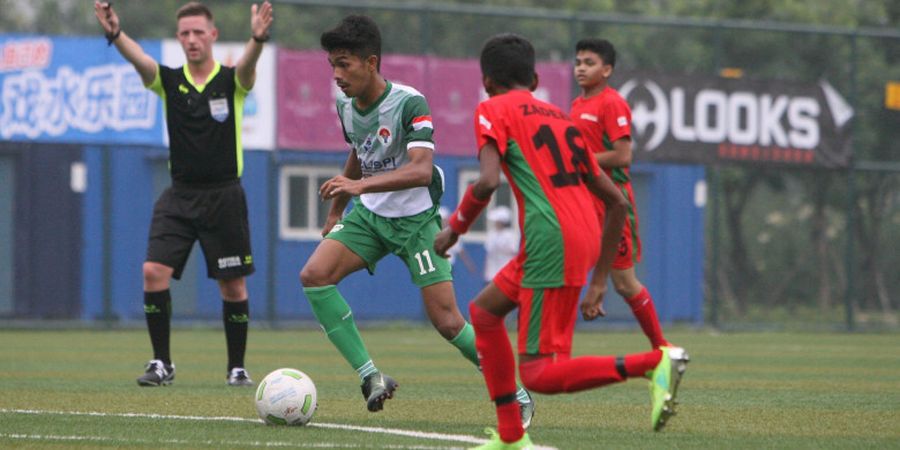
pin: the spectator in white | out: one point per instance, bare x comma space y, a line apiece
502, 243
456, 250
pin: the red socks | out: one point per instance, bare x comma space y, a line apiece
638, 364
509, 421
645, 313
547, 376
498, 365
544, 375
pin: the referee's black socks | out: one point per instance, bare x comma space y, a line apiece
236, 316
158, 312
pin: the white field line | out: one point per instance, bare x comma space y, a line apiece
392, 431
76, 438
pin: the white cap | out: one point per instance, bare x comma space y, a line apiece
499, 214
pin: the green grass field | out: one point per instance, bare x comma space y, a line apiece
62, 389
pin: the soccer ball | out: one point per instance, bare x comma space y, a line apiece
286, 397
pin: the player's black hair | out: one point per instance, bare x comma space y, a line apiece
508, 59
601, 47
357, 34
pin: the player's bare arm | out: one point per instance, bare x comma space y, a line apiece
444, 240
145, 66
339, 202
619, 156
602, 187
260, 21
487, 182
417, 172
489, 173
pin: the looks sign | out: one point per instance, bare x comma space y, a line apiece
703, 120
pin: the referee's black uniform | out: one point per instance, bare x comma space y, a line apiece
206, 200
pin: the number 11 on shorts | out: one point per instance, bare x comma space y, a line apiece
422, 258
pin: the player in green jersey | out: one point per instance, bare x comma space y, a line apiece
396, 189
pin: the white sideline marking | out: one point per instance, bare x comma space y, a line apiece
393, 431
53, 437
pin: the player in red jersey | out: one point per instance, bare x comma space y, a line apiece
604, 120
542, 154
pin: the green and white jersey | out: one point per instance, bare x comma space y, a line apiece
381, 135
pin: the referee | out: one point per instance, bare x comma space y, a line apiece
203, 104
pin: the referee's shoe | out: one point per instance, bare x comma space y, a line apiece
157, 374
239, 377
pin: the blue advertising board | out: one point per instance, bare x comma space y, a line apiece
74, 89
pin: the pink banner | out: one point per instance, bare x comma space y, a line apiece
454, 91
555, 83
307, 118
404, 69
306, 92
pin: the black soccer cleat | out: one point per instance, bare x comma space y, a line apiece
157, 374
376, 388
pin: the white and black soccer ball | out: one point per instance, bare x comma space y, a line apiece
286, 397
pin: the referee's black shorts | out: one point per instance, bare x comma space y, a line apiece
215, 214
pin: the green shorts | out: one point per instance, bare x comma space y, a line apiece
411, 238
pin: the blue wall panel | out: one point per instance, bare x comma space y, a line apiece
671, 230
132, 208
47, 232
673, 242
92, 278
7, 226
255, 181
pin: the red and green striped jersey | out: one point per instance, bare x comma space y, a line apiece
604, 119
543, 157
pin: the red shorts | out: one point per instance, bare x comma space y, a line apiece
546, 315
629, 252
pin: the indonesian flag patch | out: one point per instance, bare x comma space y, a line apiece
422, 122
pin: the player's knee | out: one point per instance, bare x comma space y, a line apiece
233, 290
482, 318
313, 276
626, 287
621, 288
155, 273
448, 326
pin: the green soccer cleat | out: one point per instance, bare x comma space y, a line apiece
376, 388
497, 444
664, 380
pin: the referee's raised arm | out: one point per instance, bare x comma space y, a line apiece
145, 65
260, 21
